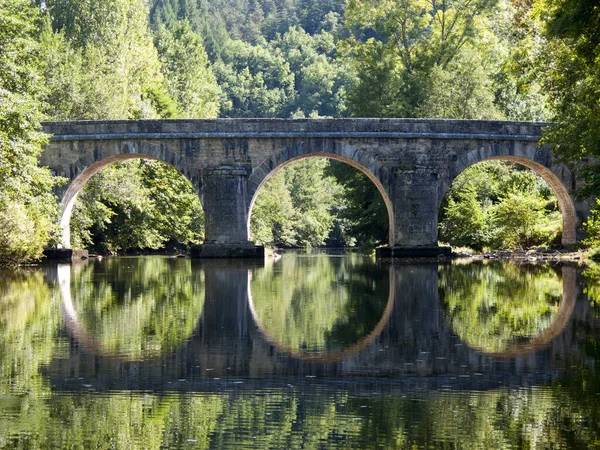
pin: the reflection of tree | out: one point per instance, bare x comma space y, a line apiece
139, 307
319, 303
499, 419
285, 419
118, 421
306, 418
29, 321
494, 306
592, 276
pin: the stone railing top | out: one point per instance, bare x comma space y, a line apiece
293, 128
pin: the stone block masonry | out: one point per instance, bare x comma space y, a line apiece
411, 161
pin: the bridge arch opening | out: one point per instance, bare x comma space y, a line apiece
507, 202
160, 196
360, 201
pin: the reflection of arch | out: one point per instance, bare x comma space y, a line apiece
77, 184
355, 158
333, 356
565, 311
72, 323
565, 202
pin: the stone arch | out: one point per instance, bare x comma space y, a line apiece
354, 157
79, 181
536, 161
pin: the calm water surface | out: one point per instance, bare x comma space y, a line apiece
311, 351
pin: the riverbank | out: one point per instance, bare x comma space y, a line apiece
542, 254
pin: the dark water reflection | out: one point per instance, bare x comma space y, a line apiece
306, 352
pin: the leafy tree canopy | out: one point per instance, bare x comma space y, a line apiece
27, 207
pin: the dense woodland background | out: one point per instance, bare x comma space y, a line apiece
129, 59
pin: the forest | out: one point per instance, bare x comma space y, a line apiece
529, 60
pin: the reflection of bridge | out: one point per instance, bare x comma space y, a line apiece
412, 163
415, 341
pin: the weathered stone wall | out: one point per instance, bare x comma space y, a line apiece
412, 162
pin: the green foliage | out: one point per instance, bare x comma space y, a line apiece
462, 90
313, 194
247, 20
137, 205
464, 221
361, 214
294, 207
518, 87
572, 28
592, 227
320, 78
256, 80
523, 221
496, 205
404, 54
451, 59
295, 74
146, 307
27, 207
109, 68
190, 82
492, 310
303, 307
274, 215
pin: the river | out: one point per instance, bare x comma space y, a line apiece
311, 351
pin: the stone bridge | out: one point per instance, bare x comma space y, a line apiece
411, 161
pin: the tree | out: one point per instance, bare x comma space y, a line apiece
320, 78
361, 211
461, 91
592, 229
522, 220
518, 87
572, 81
273, 215
316, 15
313, 194
494, 204
463, 220
137, 205
297, 206
256, 80
27, 207
395, 46
119, 74
190, 81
